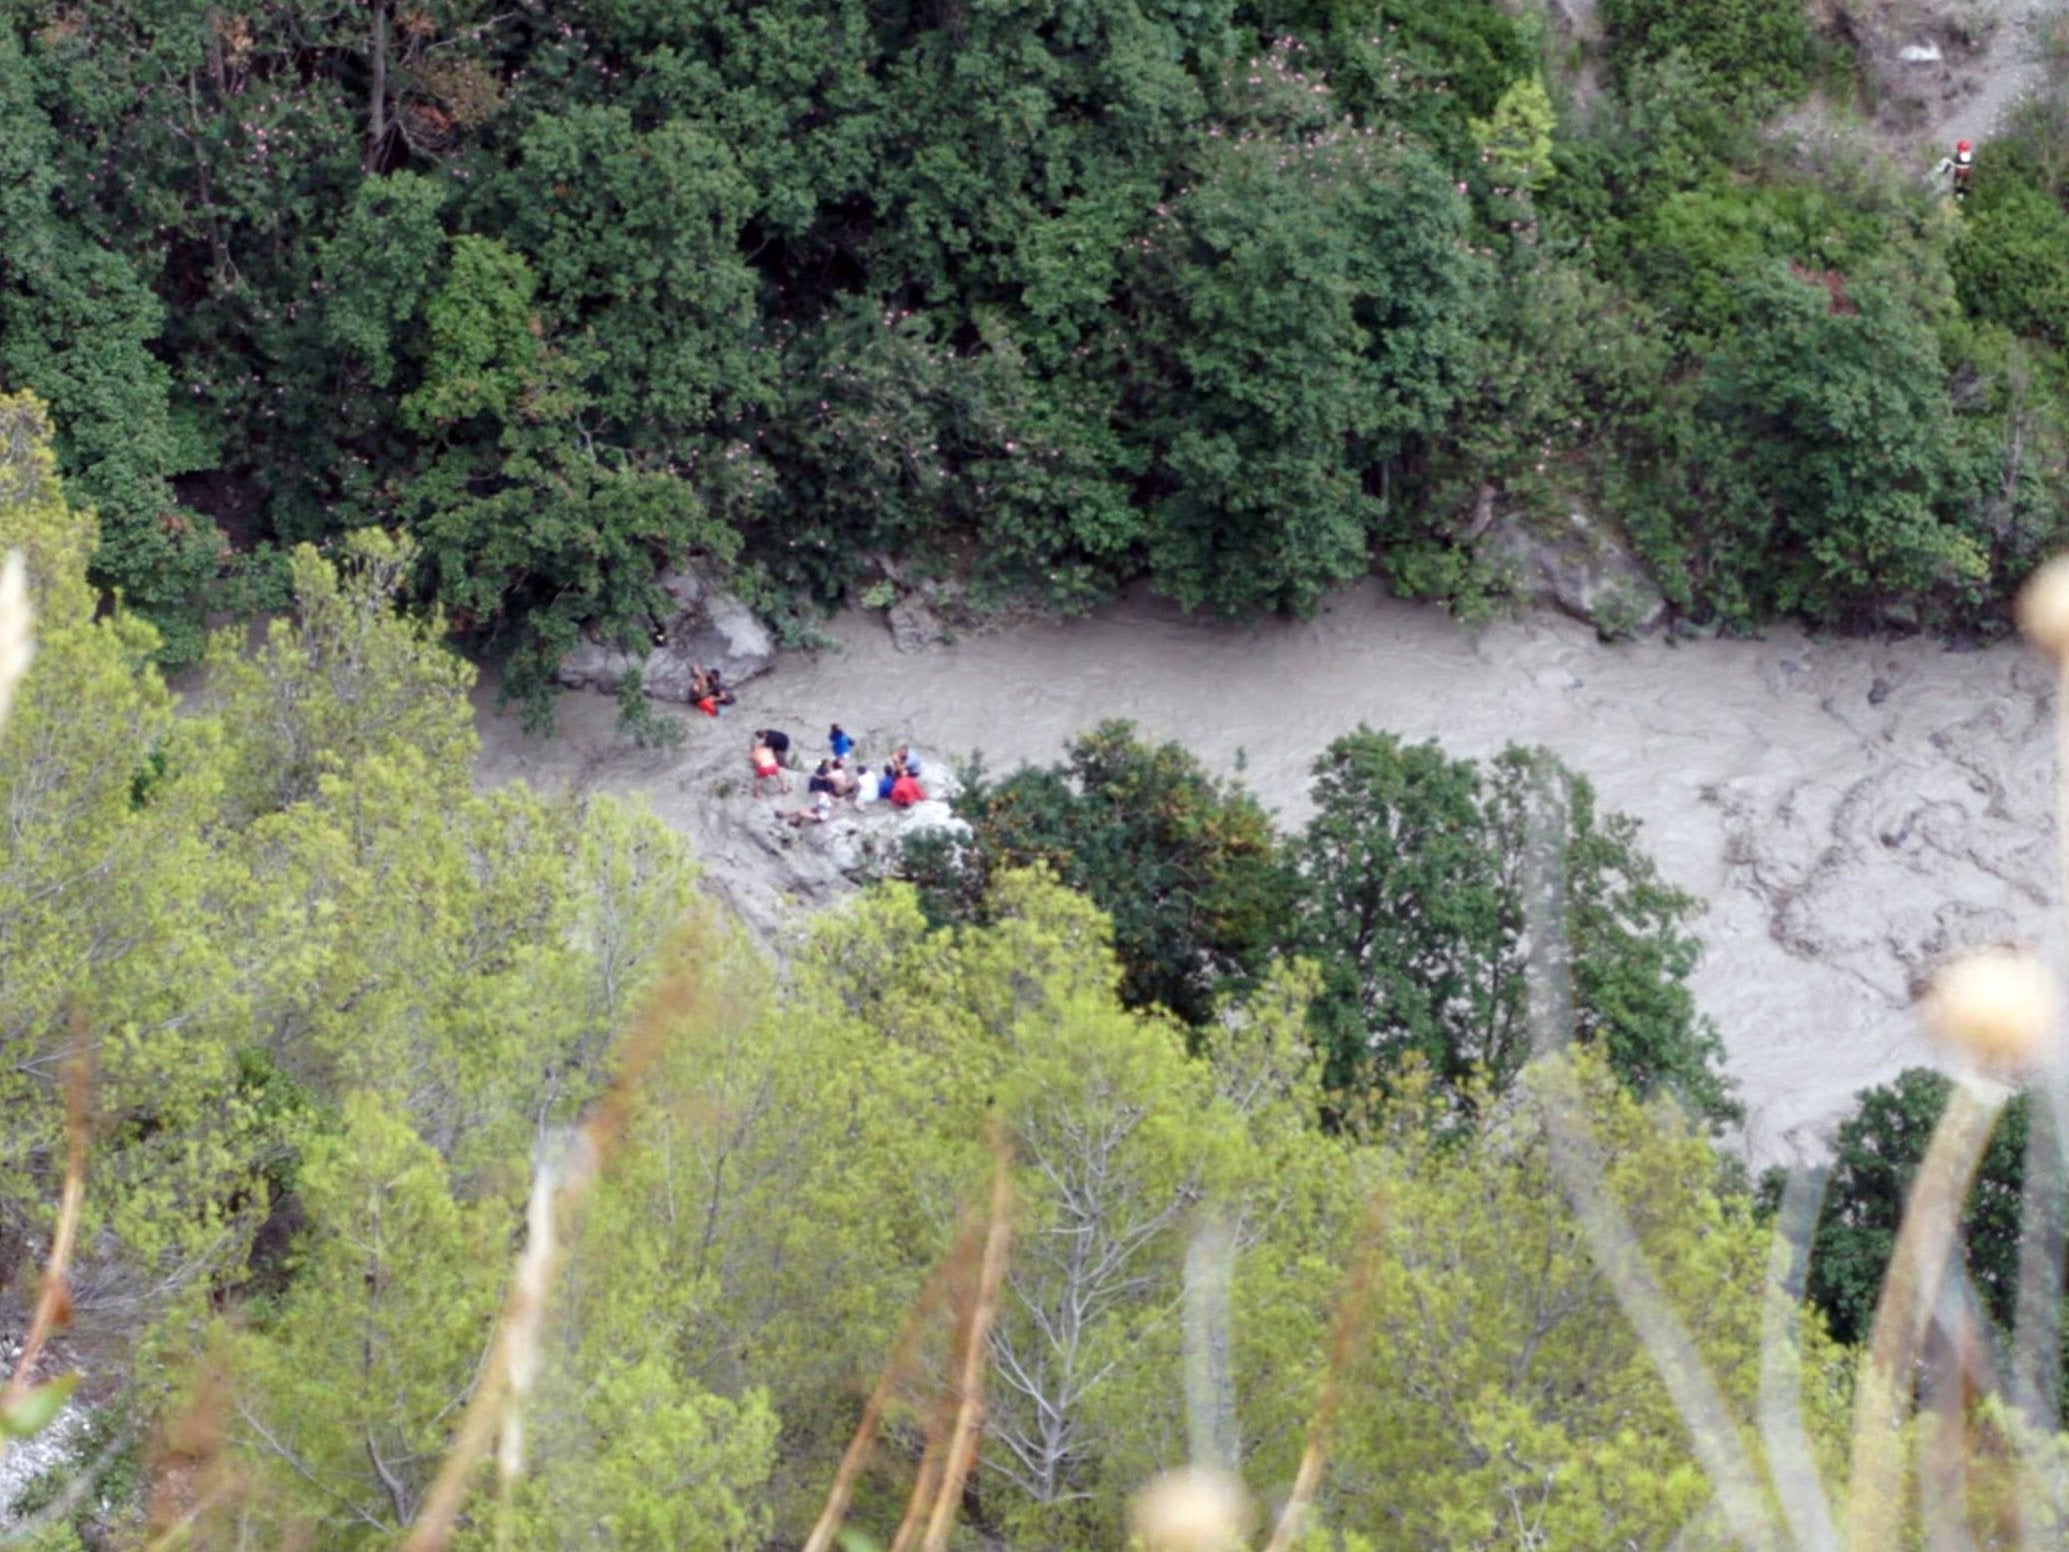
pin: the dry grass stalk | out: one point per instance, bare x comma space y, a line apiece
895, 1369
17, 622
961, 1280
1346, 1337
192, 1472
681, 996
53, 1294
1791, 1459
1910, 1288
927, 1482
991, 1278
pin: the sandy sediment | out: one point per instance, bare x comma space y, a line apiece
1850, 810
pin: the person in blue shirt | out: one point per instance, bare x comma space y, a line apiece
842, 744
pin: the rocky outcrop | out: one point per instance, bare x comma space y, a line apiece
1579, 568
914, 625
772, 872
710, 628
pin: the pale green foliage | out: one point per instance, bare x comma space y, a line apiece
649, 1463
1504, 1386
1516, 141
344, 677
293, 895
104, 880
1120, 1139
631, 1442
347, 1392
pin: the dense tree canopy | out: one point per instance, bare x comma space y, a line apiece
1186, 867
1247, 297
1412, 900
1876, 1155
342, 1007
1406, 891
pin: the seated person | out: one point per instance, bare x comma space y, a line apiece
886, 781
905, 791
906, 760
822, 778
845, 782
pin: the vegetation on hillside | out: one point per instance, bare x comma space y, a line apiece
408, 321
1407, 891
344, 1014
1249, 297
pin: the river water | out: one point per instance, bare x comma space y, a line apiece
1850, 810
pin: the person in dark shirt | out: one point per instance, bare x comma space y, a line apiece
777, 740
822, 778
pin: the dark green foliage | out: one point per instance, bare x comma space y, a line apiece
1405, 891
1562, 381
1412, 877
1187, 866
1308, 308
2011, 262
1238, 295
1875, 1157
76, 323
1822, 470
1427, 65
1746, 50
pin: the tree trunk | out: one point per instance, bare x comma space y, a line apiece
377, 95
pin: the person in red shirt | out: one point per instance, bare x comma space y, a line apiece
905, 791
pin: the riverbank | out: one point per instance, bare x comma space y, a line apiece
1851, 810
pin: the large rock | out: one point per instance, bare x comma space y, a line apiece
914, 625
710, 628
1579, 568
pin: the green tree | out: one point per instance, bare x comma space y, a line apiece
1875, 1157
530, 531
2010, 258
77, 325
1121, 1141
1501, 1384
1187, 866
1426, 67
350, 1390
1412, 880
107, 888
1516, 139
1823, 472
1748, 51
1306, 309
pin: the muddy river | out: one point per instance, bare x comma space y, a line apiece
1850, 810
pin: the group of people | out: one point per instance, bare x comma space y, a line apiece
835, 779
708, 692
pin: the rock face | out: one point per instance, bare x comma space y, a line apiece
710, 628
914, 625
771, 871
1581, 569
